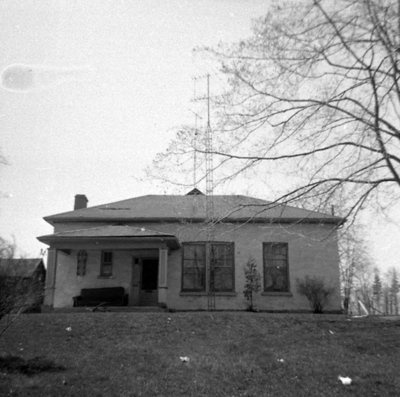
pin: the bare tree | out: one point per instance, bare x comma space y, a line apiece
386, 299
355, 267
314, 92
363, 285
347, 265
17, 293
377, 291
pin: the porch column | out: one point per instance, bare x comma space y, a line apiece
162, 276
51, 270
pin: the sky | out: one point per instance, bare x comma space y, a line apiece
96, 135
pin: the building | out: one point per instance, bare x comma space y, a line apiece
21, 284
156, 248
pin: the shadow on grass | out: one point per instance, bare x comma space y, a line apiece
15, 364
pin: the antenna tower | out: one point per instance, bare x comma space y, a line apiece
210, 202
195, 135
195, 153
210, 219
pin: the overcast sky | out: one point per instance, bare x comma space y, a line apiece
94, 136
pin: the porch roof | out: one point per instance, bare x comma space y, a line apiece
112, 232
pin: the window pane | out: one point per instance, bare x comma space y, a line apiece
194, 280
107, 257
222, 255
194, 252
223, 279
222, 272
275, 279
106, 269
276, 267
194, 255
106, 263
193, 272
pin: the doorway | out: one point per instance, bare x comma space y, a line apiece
149, 282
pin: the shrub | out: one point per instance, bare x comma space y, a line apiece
253, 282
314, 289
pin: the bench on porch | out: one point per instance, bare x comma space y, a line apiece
113, 296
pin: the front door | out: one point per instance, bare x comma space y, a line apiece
149, 282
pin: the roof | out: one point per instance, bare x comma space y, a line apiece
111, 232
193, 207
20, 267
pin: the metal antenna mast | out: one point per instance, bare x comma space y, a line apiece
209, 170
210, 219
194, 141
210, 202
195, 153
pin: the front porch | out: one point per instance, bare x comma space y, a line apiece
136, 261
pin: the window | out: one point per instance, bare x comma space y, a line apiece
81, 263
215, 258
194, 267
106, 264
276, 267
222, 274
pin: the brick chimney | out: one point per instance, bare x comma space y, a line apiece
80, 201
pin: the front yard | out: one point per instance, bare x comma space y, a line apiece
229, 354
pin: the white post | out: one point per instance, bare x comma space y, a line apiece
50, 284
162, 276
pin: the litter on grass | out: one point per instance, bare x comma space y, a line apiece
345, 380
184, 359
281, 360
68, 329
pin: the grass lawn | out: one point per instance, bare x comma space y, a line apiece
230, 354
